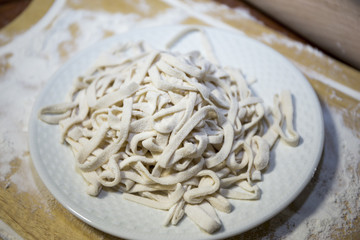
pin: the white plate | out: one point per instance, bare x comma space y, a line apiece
289, 171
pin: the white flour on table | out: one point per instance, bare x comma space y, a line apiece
330, 201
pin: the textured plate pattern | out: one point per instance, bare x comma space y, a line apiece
289, 171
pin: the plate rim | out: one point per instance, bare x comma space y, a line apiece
59, 196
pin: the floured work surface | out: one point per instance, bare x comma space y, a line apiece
327, 207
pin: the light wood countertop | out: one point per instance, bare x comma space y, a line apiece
54, 31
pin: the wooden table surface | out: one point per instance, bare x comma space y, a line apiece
49, 32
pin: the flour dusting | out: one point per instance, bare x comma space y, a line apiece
273, 38
208, 7
328, 81
329, 202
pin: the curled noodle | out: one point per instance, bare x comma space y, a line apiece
172, 131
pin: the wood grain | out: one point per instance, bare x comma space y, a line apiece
9, 10
37, 215
332, 25
266, 20
34, 11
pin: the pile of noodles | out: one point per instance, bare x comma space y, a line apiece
171, 131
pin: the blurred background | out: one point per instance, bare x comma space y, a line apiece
331, 25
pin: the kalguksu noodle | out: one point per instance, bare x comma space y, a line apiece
171, 131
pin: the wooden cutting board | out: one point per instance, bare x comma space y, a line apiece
25, 203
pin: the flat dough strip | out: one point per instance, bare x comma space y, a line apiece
172, 131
